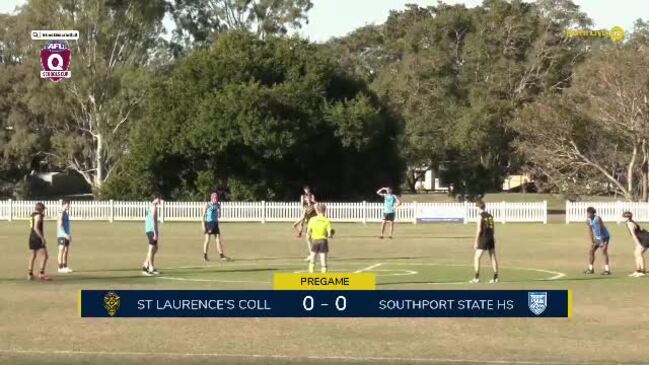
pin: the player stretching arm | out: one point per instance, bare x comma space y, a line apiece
63, 237
37, 241
319, 230
641, 239
484, 241
390, 203
152, 234
211, 217
307, 200
599, 238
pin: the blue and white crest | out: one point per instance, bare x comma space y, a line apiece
537, 301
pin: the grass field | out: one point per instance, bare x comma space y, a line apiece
39, 323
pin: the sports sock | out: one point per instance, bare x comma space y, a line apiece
222, 255
590, 267
311, 267
606, 268
61, 266
476, 276
323, 269
495, 275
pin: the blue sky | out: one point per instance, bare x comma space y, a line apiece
334, 18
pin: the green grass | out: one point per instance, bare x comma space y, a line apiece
39, 323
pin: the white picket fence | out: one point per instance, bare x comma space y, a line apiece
361, 212
609, 211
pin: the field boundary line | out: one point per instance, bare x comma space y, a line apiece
368, 268
297, 358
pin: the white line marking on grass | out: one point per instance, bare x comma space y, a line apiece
556, 274
297, 358
368, 268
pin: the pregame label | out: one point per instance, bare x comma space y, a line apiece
328, 281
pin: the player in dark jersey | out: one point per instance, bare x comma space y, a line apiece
308, 202
641, 239
37, 241
484, 241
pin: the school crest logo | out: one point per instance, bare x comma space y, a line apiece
55, 61
537, 301
111, 303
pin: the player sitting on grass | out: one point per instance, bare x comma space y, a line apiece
390, 203
37, 241
152, 234
641, 239
63, 237
599, 238
211, 217
484, 241
318, 232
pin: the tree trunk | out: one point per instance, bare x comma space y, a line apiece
645, 176
99, 163
629, 172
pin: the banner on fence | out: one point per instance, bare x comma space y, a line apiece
447, 214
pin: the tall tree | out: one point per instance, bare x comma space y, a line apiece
595, 138
260, 118
90, 113
457, 75
197, 21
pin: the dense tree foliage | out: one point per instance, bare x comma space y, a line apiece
260, 118
231, 101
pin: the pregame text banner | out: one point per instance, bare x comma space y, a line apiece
327, 281
325, 303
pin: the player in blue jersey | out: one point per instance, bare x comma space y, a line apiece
600, 238
390, 204
210, 225
64, 237
151, 228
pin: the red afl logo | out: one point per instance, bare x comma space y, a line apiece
55, 61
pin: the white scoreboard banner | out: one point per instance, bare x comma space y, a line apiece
443, 214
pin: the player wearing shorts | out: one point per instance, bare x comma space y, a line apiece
641, 239
152, 234
37, 242
308, 202
211, 216
484, 241
64, 237
390, 203
319, 231
599, 238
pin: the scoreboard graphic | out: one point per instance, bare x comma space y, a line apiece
326, 295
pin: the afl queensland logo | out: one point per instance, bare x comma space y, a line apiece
55, 61
537, 301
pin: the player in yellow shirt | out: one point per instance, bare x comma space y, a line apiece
318, 232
